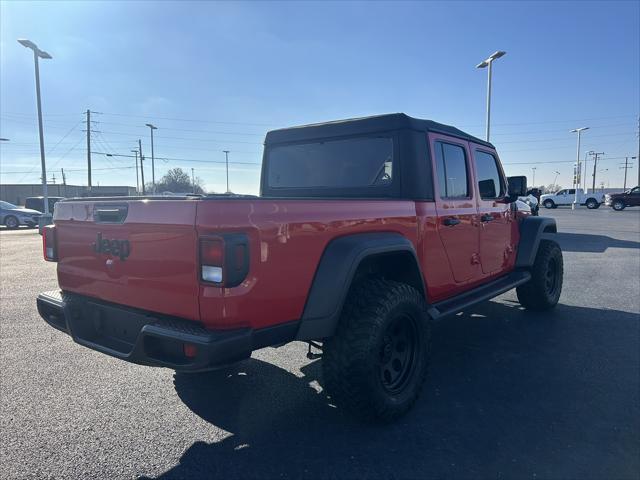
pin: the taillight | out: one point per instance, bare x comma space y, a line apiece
211, 259
224, 260
49, 243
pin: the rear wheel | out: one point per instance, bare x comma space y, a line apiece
549, 204
542, 292
618, 205
375, 364
11, 222
592, 203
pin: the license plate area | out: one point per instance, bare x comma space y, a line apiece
115, 328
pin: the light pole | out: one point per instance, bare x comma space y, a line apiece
556, 178
533, 179
576, 181
153, 165
487, 63
137, 180
38, 54
226, 154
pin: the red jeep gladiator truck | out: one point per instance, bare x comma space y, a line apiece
364, 232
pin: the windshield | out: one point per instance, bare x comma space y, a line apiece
355, 162
7, 205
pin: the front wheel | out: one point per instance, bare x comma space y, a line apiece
542, 292
618, 205
592, 203
376, 362
549, 204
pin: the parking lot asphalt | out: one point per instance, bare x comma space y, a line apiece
510, 394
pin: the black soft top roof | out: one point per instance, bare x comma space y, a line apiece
364, 125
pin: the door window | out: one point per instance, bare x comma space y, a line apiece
451, 163
572, 191
490, 182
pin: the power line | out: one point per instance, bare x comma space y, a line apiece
169, 159
75, 170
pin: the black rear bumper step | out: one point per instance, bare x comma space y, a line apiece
146, 338
480, 294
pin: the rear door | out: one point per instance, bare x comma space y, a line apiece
493, 212
455, 205
633, 199
140, 253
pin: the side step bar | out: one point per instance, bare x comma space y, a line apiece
465, 300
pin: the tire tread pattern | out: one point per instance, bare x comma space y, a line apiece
347, 370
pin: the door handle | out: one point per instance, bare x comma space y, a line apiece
451, 221
487, 218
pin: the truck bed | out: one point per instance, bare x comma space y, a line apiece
161, 273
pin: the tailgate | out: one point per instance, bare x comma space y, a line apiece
139, 253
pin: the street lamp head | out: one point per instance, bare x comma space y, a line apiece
6, 140
578, 130
29, 44
151, 126
494, 56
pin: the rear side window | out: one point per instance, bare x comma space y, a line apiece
490, 182
349, 163
451, 164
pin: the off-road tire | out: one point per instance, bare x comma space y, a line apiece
549, 204
11, 222
361, 359
543, 291
618, 205
592, 203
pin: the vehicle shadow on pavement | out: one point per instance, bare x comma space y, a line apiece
511, 394
586, 242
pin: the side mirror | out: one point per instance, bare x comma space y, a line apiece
517, 186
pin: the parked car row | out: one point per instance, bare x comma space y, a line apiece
12, 216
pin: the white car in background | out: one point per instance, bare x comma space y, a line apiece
566, 197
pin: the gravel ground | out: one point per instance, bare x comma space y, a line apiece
511, 394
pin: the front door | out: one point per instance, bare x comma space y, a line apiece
455, 205
633, 199
493, 212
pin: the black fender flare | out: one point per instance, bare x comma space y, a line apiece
335, 273
532, 230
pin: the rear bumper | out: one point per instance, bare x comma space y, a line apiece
143, 337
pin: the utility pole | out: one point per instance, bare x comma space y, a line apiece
193, 181
226, 154
533, 179
626, 167
64, 179
595, 166
141, 166
638, 151
89, 149
153, 163
137, 181
555, 178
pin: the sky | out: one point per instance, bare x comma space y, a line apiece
216, 76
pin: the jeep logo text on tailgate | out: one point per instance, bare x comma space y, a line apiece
119, 248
